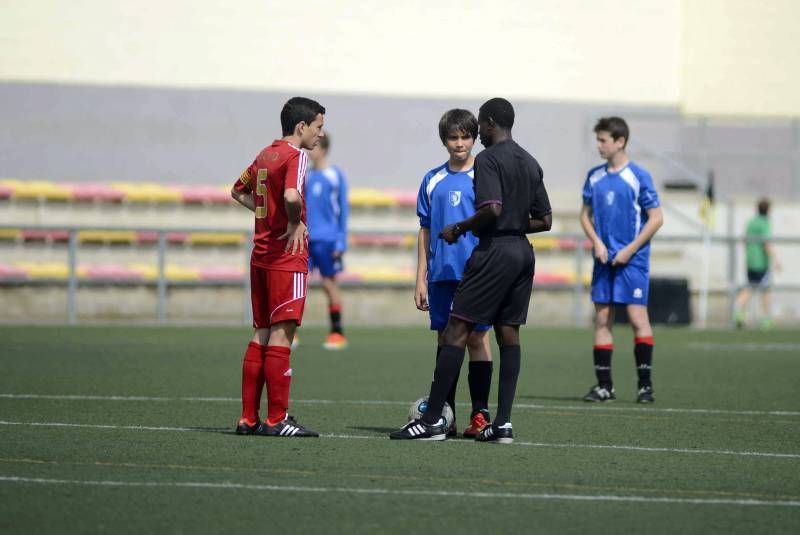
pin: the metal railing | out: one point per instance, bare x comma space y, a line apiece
581, 260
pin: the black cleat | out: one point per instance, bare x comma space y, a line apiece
645, 395
419, 430
503, 434
243, 428
286, 428
600, 393
452, 432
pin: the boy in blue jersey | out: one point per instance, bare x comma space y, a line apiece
620, 214
447, 196
327, 210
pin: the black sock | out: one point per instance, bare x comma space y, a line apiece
448, 363
451, 396
480, 383
335, 312
602, 364
643, 352
507, 386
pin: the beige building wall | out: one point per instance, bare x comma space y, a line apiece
722, 57
741, 57
548, 49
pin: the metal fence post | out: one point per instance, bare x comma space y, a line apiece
577, 303
72, 280
161, 288
732, 242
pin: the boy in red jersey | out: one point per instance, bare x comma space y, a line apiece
272, 188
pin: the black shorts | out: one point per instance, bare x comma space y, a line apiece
757, 278
497, 282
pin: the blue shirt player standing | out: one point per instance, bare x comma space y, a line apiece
447, 196
620, 214
327, 209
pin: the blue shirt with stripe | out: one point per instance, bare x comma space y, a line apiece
446, 197
327, 208
619, 202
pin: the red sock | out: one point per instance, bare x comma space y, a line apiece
252, 382
643, 340
278, 375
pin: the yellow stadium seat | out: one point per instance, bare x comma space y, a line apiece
544, 244
371, 198
45, 270
214, 238
10, 234
107, 236
147, 192
38, 189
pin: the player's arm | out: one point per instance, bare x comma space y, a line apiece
481, 219
655, 218
542, 224
242, 191
421, 289
344, 214
600, 250
296, 231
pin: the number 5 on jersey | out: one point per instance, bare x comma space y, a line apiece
261, 191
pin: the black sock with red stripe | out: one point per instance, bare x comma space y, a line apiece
335, 312
643, 352
602, 364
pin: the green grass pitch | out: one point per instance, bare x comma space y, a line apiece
128, 430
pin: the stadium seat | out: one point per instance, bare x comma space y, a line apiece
370, 198
96, 193
544, 244
12, 272
6, 191
206, 195
222, 274
214, 238
44, 270
107, 236
34, 235
147, 192
37, 190
10, 234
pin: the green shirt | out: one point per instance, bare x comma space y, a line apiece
756, 252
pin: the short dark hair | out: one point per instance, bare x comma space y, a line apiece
763, 206
458, 120
616, 126
297, 110
498, 110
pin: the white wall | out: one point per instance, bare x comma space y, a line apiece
547, 49
741, 57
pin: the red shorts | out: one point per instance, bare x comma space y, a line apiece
277, 296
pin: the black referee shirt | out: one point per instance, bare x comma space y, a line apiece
507, 175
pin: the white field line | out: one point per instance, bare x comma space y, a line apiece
373, 437
535, 406
400, 492
751, 346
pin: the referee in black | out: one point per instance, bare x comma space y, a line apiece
510, 202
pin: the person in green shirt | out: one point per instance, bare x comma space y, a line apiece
760, 259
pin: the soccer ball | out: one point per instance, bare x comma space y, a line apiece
421, 405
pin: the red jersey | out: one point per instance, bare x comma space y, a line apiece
279, 167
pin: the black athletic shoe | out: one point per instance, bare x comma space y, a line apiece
243, 428
600, 393
286, 428
503, 434
645, 395
419, 430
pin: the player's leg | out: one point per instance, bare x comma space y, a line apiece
479, 378
448, 366
766, 308
632, 287
336, 338
603, 344
642, 351
742, 298
253, 362
440, 301
286, 303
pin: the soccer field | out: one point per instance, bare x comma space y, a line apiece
130, 430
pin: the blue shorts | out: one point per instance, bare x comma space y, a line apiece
440, 301
626, 284
320, 256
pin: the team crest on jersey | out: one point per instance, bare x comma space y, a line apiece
455, 198
610, 198
637, 293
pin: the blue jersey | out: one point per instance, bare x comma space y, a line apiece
619, 204
444, 198
327, 207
